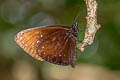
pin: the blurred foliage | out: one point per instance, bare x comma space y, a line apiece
17, 15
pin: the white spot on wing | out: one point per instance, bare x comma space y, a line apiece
43, 47
58, 44
60, 55
48, 57
21, 33
41, 35
44, 53
38, 41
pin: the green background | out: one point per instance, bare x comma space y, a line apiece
17, 15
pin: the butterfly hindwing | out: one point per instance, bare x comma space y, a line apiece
30, 39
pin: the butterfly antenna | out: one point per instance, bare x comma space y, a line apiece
76, 17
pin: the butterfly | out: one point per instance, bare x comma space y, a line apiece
55, 44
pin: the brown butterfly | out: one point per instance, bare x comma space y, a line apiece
55, 44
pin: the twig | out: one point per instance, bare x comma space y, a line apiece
92, 26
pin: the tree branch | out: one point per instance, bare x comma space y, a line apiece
92, 26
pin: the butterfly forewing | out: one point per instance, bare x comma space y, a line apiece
30, 39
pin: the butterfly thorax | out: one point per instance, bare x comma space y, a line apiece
74, 30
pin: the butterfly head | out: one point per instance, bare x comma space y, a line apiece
75, 30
